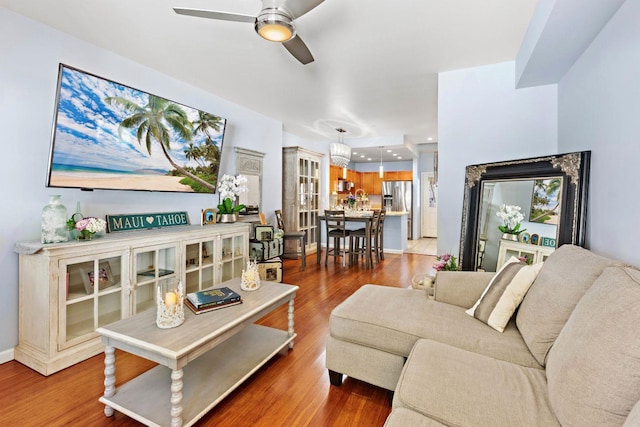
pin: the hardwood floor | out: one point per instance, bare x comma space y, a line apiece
291, 390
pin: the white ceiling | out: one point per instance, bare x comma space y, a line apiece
376, 62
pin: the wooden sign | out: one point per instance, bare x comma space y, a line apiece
146, 220
548, 241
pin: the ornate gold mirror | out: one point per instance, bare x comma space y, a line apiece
550, 194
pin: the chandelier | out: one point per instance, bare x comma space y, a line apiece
340, 152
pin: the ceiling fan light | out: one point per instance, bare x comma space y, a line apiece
275, 26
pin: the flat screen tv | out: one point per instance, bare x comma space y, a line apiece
107, 135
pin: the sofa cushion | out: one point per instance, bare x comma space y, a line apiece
504, 293
564, 278
593, 369
402, 417
633, 420
393, 319
461, 388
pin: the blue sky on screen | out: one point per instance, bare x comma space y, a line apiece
88, 132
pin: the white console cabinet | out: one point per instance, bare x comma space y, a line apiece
533, 253
67, 290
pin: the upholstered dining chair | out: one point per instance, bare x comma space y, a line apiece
335, 223
300, 237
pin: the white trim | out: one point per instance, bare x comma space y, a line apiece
6, 356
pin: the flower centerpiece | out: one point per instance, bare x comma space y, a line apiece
351, 200
86, 227
446, 262
230, 187
511, 217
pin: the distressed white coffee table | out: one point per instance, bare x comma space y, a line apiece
200, 362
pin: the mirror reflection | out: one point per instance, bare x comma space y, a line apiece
251, 198
524, 230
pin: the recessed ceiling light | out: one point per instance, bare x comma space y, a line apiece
395, 154
399, 157
369, 158
354, 152
429, 139
388, 151
362, 156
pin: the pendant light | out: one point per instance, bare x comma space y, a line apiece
340, 153
380, 169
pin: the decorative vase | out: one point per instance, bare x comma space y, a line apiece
170, 305
54, 221
227, 218
250, 280
85, 235
512, 237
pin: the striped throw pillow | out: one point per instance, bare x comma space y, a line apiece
504, 293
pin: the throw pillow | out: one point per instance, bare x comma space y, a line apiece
504, 293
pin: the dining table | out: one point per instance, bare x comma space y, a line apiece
353, 217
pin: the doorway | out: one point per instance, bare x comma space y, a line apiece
429, 196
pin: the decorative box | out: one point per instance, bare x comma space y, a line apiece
264, 250
271, 270
264, 233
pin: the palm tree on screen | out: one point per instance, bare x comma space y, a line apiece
153, 121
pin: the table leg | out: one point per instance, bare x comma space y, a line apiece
290, 318
176, 397
318, 243
109, 376
367, 245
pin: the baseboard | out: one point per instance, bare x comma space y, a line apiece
6, 356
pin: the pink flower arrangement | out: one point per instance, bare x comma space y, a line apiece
446, 262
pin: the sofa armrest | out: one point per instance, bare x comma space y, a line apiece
461, 288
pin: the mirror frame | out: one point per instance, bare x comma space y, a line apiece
249, 162
572, 167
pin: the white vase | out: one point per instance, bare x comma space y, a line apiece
54, 222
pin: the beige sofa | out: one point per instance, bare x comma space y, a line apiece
570, 356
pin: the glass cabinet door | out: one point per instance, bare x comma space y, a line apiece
150, 265
199, 265
233, 256
94, 295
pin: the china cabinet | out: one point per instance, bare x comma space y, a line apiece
301, 193
68, 290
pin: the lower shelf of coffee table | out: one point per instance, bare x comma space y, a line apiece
206, 381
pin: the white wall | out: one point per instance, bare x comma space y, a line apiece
29, 57
599, 110
482, 118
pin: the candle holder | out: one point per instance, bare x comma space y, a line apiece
250, 277
170, 302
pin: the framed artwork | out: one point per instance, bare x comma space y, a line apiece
545, 201
264, 232
208, 216
104, 279
535, 239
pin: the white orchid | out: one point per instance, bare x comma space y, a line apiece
511, 217
229, 188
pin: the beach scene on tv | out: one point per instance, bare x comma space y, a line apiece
110, 136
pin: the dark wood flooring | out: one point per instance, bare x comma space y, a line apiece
291, 390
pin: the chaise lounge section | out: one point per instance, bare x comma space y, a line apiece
569, 356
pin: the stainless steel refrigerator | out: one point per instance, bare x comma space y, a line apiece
397, 197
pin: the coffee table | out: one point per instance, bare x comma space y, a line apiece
200, 362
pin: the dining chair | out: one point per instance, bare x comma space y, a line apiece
378, 245
299, 238
358, 240
335, 223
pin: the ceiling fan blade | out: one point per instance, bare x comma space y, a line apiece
297, 8
213, 14
299, 50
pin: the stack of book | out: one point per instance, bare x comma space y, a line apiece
212, 299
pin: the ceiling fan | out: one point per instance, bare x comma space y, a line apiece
273, 23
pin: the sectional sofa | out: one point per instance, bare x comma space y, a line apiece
568, 356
